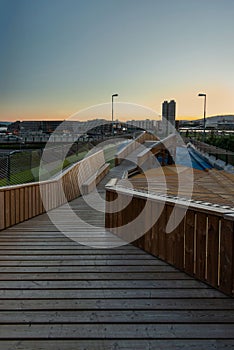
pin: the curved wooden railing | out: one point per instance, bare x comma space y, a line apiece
22, 202
202, 245
166, 145
134, 144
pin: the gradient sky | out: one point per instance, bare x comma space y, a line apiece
59, 56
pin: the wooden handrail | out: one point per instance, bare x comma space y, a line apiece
131, 146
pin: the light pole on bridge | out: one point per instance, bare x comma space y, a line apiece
112, 111
204, 116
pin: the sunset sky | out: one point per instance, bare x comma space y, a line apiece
60, 56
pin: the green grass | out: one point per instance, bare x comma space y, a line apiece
32, 175
22, 173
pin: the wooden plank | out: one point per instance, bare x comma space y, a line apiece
33, 201
105, 269
119, 304
118, 331
17, 206
12, 194
179, 239
93, 276
30, 202
7, 208
126, 344
95, 284
70, 252
41, 207
153, 239
113, 316
54, 257
111, 205
81, 262
2, 211
189, 242
213, 250
170, 236
22, 204
107, 214
26, 203
160, 231
201, 236
108, 294
226, 256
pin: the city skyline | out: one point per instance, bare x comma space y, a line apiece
59, 59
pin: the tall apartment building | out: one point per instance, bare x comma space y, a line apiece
146, 124
168, 116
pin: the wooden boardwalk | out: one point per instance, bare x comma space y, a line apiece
58, 294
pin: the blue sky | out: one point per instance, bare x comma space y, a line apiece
59, 56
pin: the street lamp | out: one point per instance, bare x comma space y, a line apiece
112, 110
204, 122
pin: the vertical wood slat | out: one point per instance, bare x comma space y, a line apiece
7, 208
170, 236
213, 251
107, 214
26, 203
226, 257
135, 207
2, 211
148, 235
154, 232
113, 197
17, 206
23, 202
201, 246
179, 239
37, 205
189, 242
33, 201
140, 241
30, 202
22, 213
161, 232
175, 239
41, 205
12, 209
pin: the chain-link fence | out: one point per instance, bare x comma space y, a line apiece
22, 166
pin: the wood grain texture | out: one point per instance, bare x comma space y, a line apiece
56, 293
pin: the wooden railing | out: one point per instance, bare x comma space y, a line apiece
131, 146
22, 202
167, 145
202, 245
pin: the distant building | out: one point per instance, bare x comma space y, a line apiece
168, 116
46, 126
145, 124
218, 122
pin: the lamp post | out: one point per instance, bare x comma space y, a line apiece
204, 122
112, 111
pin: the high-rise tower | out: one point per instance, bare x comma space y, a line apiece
168, 116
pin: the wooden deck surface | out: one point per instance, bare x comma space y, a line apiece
214, 186
58, 294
